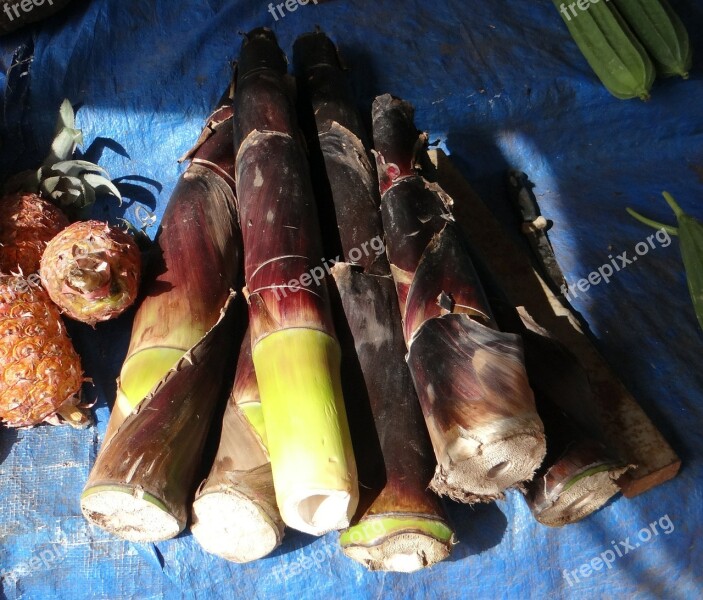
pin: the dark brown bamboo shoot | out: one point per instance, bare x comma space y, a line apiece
400, 525
580, 471
143, 478
295, 352
469, 376
234, 513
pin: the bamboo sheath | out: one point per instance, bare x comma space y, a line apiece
171, 381
470, 377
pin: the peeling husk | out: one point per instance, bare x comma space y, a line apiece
470, 377
579, 472
295, 352
197, 262
144, 476
400, 525
234, 513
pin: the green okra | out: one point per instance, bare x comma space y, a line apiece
661, 32
611, 48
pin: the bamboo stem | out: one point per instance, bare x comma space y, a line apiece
400, 525
295, 352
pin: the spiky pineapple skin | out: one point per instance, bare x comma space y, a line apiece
40, 368
27, 223
92, 251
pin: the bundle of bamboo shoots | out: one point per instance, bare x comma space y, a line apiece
400, 525
234, 513
171, 380
294, 349
469, 376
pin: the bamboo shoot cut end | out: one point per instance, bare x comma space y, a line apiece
319, 512
130, 513
401, 545
400, 554
234, 527
581, 499
472, 471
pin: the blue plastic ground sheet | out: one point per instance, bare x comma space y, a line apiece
498, 84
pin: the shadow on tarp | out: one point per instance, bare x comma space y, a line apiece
7, 438
477, 528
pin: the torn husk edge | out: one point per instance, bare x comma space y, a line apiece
234, 513
579, 472
181, 303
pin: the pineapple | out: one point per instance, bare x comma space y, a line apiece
91, 271
29, 213
41, 372
27, 223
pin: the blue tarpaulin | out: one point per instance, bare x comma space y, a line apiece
497, 84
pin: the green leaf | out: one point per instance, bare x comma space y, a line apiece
67, 118
64, 145
691, 236
49, 184
690, 232
76, 167
651, 223
101, 185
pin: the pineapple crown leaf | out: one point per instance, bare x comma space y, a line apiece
64, 145
67, 118
102, 185
69, 183
72, 183
76, 167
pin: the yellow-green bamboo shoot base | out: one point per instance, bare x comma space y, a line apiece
142, 371
314, 473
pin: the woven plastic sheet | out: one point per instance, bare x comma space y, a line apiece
497, 84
